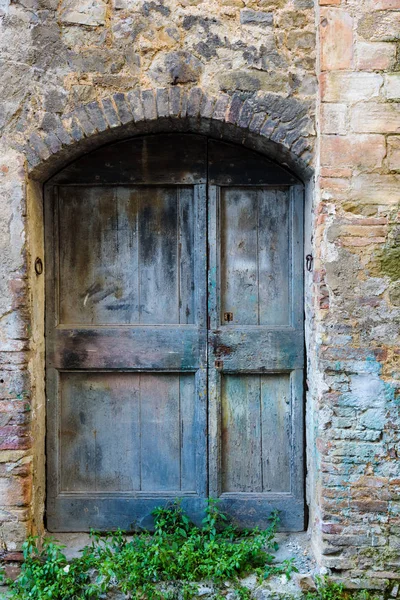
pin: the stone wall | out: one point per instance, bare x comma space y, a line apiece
77, 73
357, 288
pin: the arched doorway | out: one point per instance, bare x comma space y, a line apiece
174, 334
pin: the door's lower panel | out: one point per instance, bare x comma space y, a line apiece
256, 433
127, 432
259, 456
127, 442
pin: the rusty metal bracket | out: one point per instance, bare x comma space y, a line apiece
38, 266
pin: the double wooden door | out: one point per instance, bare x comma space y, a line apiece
174, 335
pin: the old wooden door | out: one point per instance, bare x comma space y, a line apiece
151, 394
256, 342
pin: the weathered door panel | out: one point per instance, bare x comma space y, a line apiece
256, 354
126, 353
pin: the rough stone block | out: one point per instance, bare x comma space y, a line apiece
234, 108
162, 100
376, 189
96, 116
87, 126
194, 102
52, 142
246, 114
207, 107
39, 146
72, 125
149, 105
357, 151
15, 491
257, 122
52, 123
334, 118
221, 107
380, 26
393, 144
135, 101
375, 118
175, 67
91, 13
373, 56
336, 37
350, 87
253, 81
386, 4
110, 112
123, 109
392, 86
174, 101
256, 17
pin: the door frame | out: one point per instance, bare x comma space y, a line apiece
304, 428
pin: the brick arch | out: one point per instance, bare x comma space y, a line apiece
281, 128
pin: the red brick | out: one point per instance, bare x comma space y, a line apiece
336, 33
370, 505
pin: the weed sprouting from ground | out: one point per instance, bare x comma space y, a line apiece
176, 551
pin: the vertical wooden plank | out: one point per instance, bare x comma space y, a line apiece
239, 255
214, 378
187, 283
200, 439
116, 400
159, 271
188, 432
77, 436
297, 438
160, 432
276, 407
98, 263
241, 440
124, 303
274, 257
297, 258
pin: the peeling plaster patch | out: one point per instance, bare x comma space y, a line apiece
366, 391
4, 7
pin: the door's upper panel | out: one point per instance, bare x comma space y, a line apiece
130, 259
174, 158
168, 159
230, 164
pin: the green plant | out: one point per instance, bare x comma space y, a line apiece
177, 551
330, 590
287, 567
